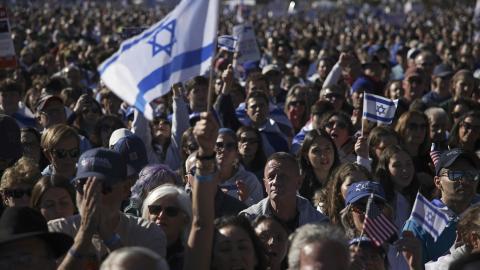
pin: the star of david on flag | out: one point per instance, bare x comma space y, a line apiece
379, 109
173, 50
429, 217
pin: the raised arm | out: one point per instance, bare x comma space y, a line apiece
200, 241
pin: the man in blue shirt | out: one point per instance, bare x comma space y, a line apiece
457, 179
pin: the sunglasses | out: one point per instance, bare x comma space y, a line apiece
79, 183
248, 140
361, 207
471, 176
225, 146
17, 193
170, 211
62, 153
340, 124
469, 126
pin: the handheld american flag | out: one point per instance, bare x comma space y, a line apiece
435, 154
376, 225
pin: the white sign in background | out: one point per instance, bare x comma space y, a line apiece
247, 46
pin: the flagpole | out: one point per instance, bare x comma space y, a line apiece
212, 69
366, 211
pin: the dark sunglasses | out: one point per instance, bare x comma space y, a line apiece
17, 193
471, 176
361, 207
79, 183
170, 211
469, 126
248, 140
340, 124
192, 171
226, 146
62, 153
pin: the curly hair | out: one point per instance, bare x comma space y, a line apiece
149, 178
331, 197
24, 171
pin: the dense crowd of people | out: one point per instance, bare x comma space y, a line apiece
280, 172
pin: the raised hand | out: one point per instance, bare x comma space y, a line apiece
205, 132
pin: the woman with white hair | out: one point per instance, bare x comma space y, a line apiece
170, 207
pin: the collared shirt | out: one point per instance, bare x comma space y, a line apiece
133, 231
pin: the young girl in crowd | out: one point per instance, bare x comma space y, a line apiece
318, 159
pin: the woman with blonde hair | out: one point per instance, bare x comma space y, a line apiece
61, 146
170, 207
17, 182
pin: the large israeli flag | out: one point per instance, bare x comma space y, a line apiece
379, 109
173, 50
429, 217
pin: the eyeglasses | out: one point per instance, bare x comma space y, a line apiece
17, 193
62, 153
224, 146
469, 126
471, 176
361, 207
170, 211
415, 126
79, 183
339, 124
159, 121
248, 140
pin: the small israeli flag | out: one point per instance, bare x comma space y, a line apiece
429, 217
229, 43
173, 50
379, 109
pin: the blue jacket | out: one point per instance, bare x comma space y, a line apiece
433, 250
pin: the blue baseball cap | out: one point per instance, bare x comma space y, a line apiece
360, 190
104, 164
133, 150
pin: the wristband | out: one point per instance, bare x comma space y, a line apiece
75, 254
204, 178
115, 238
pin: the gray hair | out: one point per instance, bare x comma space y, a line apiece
182, 198
435, 111
313, 233
116, 260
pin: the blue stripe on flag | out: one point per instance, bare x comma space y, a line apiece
433, 209
163, 73
126, 46
376, 117
378, 100
423, 223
